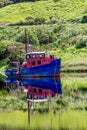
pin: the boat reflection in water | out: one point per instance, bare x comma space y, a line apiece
38, 89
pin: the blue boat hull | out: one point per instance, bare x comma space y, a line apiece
48, 70
53, 84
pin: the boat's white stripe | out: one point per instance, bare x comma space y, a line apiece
37, 100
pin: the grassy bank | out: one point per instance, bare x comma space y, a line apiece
68, 120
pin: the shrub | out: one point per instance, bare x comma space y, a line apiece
53, 20
84, 19
39, 20
29, 20
56, 0
3, 50
7, 2
75, 39
1, 4
32, 37
85, 10
20, 37
45, 37
82, 42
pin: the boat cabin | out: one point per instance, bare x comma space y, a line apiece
34, 59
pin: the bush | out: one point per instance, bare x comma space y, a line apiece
56, 0
29, 20
39, 20
84, 19
46, 36
34, 21
1, 4
7, 2
53, 20
3, 50
31, 37
20, 52
82, 42
20, 37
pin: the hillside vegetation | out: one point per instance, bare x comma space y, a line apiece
41, 37
50, 11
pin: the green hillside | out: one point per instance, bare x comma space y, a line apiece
48, 11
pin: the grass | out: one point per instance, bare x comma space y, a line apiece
68, 120
64, 10
73, 82
71, 56
2, 70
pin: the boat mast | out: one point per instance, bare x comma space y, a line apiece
26, 41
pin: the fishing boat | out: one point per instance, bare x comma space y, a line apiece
36, 66
39, 75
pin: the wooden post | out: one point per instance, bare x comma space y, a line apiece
29, 113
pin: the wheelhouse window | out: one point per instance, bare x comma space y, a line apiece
33, 62
41, 55
33, 56
36, 55
27, 56
39, 62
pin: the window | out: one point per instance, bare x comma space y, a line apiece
33, 56
27, 57
40, 90
33, 62
41, 55
36, 55
34, 90
30, 55
39, 62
